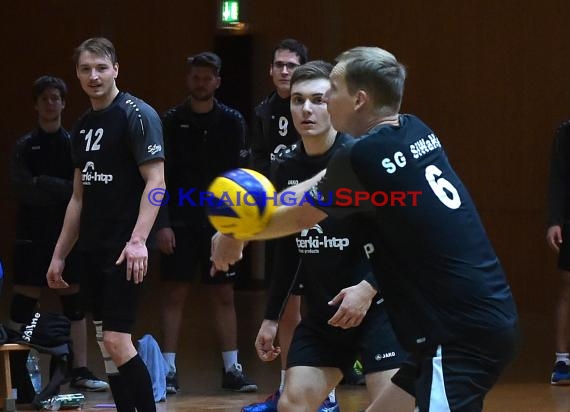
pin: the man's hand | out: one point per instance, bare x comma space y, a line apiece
54, 274
554, 237
166, 240
136, 255
354, 303
264, 341
225, 252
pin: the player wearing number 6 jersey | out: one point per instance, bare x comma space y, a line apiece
444, 288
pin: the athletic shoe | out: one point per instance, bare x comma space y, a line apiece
235, 380
329, 406
268, 405
83, 379
354, 376
172, 387
560, 374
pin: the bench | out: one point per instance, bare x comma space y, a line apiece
7, 398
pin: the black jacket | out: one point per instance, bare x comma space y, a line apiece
41, 176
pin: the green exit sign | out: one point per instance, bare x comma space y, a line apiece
230, 11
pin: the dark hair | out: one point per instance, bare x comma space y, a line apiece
293, 46
316, 69
99, 46
205, 59
47, 82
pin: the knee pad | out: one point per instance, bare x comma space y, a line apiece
22, 308
72, 307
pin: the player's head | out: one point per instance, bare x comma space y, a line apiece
364, 78
96, 67
203, 77
49, 97
309, 83
286, 57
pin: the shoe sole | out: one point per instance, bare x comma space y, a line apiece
243, 389
83, 388
560, 383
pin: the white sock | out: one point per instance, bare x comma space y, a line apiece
230, 358
563, 357
282, 383
170, 358
332, 395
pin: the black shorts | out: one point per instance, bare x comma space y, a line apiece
31, 263
564, 255
321, 345
456, 376
192, 253
107, 293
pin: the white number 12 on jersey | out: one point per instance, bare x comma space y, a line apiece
96, 144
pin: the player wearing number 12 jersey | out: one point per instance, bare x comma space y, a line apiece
118, 156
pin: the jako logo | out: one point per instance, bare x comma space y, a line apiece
29, 330
89, 175
379, 356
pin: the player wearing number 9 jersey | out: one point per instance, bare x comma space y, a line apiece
272, 128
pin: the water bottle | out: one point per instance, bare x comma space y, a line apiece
33, 365
66, 401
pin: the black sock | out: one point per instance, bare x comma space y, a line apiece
121, 394
136, 374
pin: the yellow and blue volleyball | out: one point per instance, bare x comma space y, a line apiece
240, 203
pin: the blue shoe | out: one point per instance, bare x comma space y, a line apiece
329, 406
560, 374
268, 405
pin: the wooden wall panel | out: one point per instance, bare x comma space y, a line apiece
491, 77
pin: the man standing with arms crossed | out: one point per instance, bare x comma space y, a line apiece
203, 139
41, 175
117, 150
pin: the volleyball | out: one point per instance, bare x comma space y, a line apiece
240, 203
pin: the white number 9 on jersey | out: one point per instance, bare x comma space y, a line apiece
283, 126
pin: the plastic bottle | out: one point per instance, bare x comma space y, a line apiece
66, 401
33, 365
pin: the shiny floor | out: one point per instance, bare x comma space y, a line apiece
523, 388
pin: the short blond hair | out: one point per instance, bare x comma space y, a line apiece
376, 71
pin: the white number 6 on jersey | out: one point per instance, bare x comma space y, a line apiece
442, 188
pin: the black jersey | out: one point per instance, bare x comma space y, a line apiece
108, 147
325, 258
559, 185
440, 276
41, 174
199, 148
273, 130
